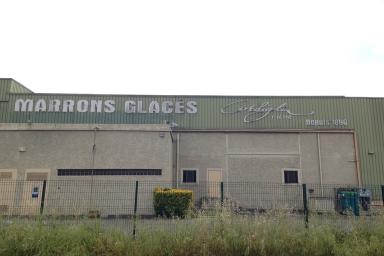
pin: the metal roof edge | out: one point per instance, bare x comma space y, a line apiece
19, 84
193, 96
256, 130
83, 127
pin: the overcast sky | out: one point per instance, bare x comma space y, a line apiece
274, 47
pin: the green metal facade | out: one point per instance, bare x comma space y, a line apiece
8, 85
5, 86
362, 115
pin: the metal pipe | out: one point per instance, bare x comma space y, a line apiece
357, 159
222, 193
320, 166
299, 148
135, 209
172, 156
226, 163
382, 193
305, 204
177, 159
43, 197
92, 166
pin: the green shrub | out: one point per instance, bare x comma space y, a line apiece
172, 202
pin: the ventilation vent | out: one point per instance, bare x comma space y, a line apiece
107, 172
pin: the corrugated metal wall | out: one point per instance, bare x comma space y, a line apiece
365, 115
16, 87
209, 115
5, 85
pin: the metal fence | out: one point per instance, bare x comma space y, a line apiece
124, 199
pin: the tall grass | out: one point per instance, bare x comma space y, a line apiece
223, 234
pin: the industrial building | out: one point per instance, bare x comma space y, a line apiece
186, 141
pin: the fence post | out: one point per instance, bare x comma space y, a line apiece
135, 209
305, 203
43, 197
222, 193
382, 193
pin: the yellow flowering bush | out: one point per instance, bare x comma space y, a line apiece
172, 202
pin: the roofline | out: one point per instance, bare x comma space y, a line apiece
194, 95
266, 130
6, 78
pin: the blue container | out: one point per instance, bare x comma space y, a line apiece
348, 201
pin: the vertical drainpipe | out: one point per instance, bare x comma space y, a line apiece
320, 166
177, 159
226, 163
172, 158
299, 148
92, 165
357, 158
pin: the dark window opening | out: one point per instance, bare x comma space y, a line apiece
291, 177
189, 176
107, 172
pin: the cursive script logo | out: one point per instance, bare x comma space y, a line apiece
255, 113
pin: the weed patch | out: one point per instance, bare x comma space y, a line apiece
223, 234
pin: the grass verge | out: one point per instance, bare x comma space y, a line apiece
222, 234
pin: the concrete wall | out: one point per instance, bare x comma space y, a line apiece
46, 149
260, 157
249, 158
66, 149
252, 163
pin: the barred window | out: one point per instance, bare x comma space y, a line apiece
107, 172
189, 176
291, 177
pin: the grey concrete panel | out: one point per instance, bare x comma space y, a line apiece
202, 151
134, 150
263, 142
338, 159
309, 158
73, 149
9, 150
258, 168
202, 144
